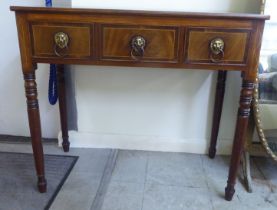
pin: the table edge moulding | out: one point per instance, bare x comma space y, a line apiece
214, 41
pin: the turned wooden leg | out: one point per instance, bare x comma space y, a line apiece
62, 106
241, 128
35, 128
219, 96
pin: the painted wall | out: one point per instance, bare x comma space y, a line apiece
174, 5
13, 115
154, 109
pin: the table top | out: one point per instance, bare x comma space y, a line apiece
141, 12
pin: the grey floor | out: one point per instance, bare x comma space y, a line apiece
157, 181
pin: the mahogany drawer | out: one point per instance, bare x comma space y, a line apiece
161, 43
198, 45
44, 45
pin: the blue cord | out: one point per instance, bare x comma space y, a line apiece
48, 3
52, 88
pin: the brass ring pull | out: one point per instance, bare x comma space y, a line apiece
217, 50
138, 44
136, 55
61, 44
56, 50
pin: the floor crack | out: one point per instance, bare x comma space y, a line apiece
105, 181
206, 181
145, 180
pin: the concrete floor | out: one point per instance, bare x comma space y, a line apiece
156, 181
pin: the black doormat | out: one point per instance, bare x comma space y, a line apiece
23, 139
18, 190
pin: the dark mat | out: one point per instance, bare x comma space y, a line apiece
23, 139
18, 189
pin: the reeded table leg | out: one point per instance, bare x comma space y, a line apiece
35, 128
62, 106
219, 96
241, 127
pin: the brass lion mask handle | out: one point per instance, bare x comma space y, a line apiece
138, 44
61, 44
217, 50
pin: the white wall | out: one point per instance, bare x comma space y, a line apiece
174, 5
13, 115
154, 109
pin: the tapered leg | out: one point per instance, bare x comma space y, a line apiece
62, 105
219, 96
35, 128
241, 128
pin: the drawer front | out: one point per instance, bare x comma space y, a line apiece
198, 49
44, 45
161, 43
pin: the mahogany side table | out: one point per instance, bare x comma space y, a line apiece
221, 42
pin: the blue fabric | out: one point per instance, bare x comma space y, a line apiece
52, 86
48, 3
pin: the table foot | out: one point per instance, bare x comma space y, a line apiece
212, 152
229, 192
66, 145
42, 184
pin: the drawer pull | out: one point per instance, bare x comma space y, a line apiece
217, 50
61, 43
138, 44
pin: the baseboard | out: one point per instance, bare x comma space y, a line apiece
148, 143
